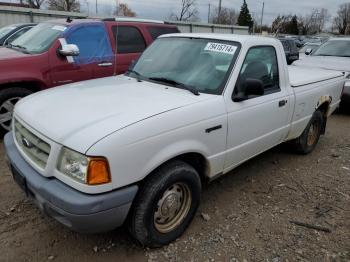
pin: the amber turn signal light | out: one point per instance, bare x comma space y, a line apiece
98, 172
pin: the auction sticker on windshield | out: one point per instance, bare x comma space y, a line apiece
221, 48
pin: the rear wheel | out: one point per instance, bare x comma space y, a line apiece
166, 204
308, 140
8, 98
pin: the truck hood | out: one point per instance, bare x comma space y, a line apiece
80, 114
7, 53
326, 62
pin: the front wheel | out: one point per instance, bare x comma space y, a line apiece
308, 140
8, 98
166, 204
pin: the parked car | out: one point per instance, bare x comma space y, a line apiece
136, 148
307, 49
298, 42
290, 49
333, 55
11, 32
66, 51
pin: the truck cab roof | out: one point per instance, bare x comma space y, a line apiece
71, 21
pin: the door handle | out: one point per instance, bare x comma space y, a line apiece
211, 129
282, 103
105, 64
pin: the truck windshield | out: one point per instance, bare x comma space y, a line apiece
39, 38
334, 48
199, 65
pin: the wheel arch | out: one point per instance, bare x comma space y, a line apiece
33, 86
195, 159
324, 106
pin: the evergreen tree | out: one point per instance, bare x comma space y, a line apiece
293, 27
245, 18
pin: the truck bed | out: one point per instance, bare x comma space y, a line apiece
300, 76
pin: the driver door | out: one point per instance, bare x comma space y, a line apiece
260, 122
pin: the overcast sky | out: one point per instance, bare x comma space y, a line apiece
160, 9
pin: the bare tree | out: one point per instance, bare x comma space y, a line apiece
35, 3
314, 22
124, 10
228, 16
189, 11
323, 18
342, 20
65, 5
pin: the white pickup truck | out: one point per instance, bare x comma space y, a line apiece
136, 148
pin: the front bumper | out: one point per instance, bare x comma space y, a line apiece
78, 211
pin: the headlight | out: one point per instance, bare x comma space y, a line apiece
87, 170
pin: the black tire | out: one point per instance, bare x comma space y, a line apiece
344, 107
142, 224
9, 94
302, 144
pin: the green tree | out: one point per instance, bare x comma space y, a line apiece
245, 18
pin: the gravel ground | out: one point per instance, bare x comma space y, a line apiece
244, 216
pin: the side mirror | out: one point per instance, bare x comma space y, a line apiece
69, 50
308, 51
250, 87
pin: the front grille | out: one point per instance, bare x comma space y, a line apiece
34, 147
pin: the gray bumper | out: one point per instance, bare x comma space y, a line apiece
79, 211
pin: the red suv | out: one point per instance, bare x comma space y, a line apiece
64, 51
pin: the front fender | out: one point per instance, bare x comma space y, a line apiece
174, 150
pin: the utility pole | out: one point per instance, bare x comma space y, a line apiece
209, 13
219, 12
96, 7
262, 16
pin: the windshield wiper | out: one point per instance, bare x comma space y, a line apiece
138, 75
23, 48
176, 84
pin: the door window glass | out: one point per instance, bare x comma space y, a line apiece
157, 31
93, 44
260, 64
129, 40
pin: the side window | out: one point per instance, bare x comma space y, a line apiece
16, 35
261, 64
129, 40
93, 43
158, 31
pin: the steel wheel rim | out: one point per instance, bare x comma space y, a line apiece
172, 208
313, 133
6, 112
